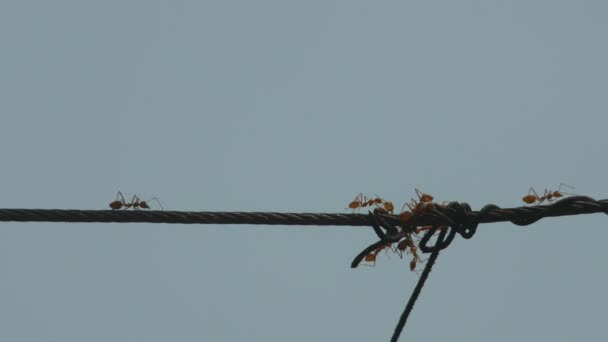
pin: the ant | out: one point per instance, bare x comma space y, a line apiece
424, 198
373, 201
402, 248
548, 195
388, 206
371, 257
362, 201
413, 264
425, 202
357, 202
135, 203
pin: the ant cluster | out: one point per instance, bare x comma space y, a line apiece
135, 203
423, 205
408, 244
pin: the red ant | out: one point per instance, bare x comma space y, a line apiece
362, 201
548, 195
373, 201
357, 202
402, 248
388, 206
425, 202
424, 198
371, 257
135, 203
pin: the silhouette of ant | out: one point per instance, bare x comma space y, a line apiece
136, 203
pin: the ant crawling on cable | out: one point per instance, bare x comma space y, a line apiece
362, 201
533, 198
136, 203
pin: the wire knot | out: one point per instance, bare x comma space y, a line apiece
457, 218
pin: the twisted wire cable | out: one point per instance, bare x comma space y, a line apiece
574, 205
182, 217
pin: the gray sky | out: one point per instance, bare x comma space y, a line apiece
298, 106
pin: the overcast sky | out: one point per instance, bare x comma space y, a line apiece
298, 106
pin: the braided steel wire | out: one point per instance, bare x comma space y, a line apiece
183, 217
574, 205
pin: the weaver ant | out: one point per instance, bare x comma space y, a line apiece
371, 257
357, 202
424, 198
388, 206
402, 248
362, 201
136, 203
425, 202
548, 195
373, 201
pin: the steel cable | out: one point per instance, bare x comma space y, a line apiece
574, 205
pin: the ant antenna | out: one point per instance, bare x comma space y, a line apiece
566, 185
157, 201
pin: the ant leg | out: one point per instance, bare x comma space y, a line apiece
120, 197
386, 252
547, 195
398, 251
403, 207
539, 199
531, 190
393, 248
134, 202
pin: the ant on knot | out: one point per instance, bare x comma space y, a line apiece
423, 205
